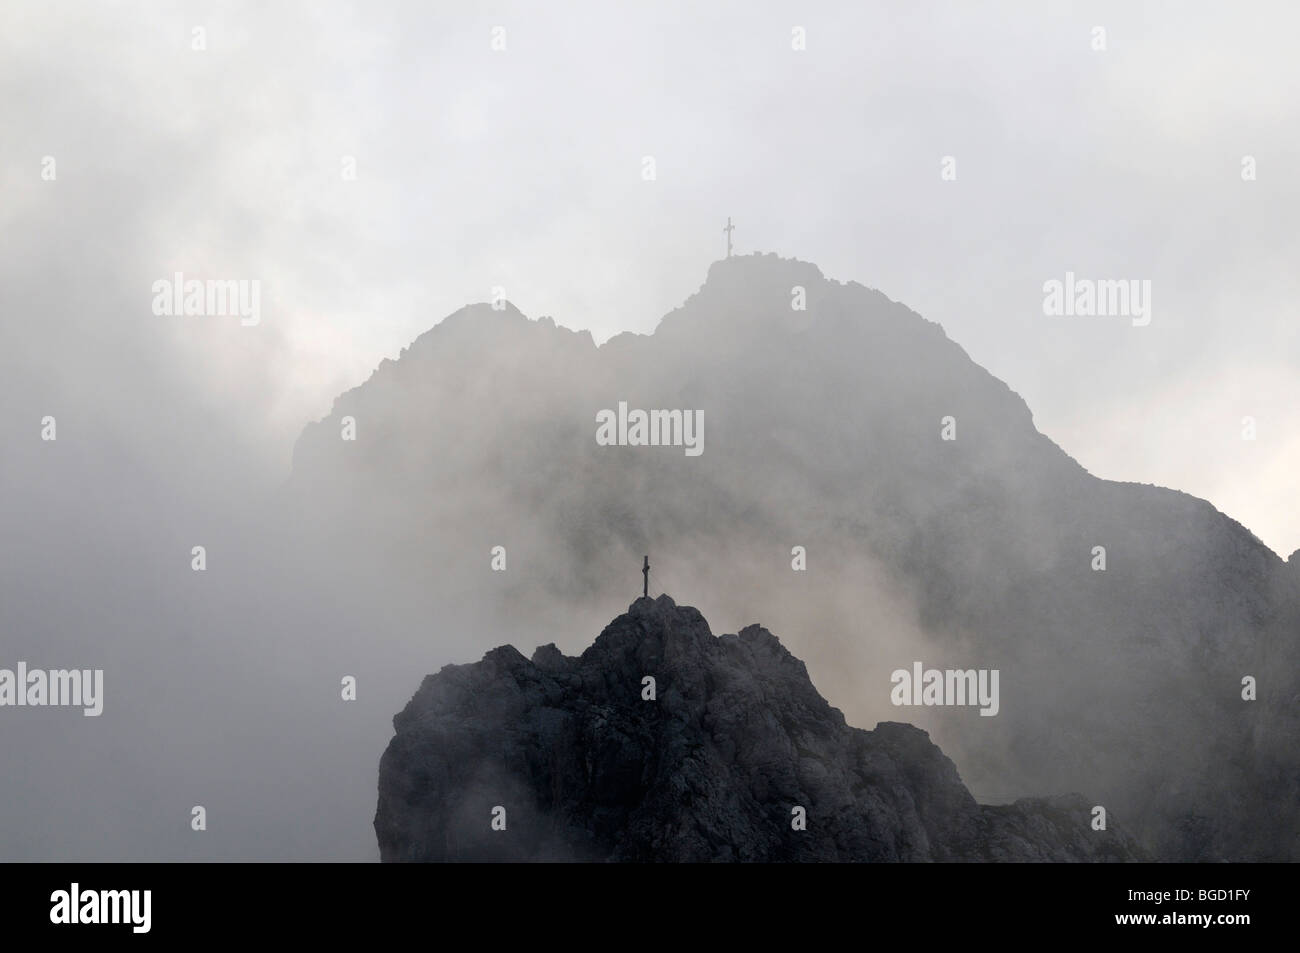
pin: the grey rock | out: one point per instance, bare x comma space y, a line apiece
711, 769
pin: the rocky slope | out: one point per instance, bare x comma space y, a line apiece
735, 739
822, 429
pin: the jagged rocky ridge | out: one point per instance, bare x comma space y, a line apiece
822, 428
588, 769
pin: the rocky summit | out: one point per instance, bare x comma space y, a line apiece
1148, 645
663, 742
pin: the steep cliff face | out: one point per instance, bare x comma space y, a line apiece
717, 766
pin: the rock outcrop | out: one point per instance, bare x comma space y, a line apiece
579, 763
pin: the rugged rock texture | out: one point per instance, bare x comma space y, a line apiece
708, 771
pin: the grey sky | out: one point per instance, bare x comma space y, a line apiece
522, 168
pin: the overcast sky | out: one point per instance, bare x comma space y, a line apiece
523, 168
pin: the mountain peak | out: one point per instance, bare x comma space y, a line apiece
663, 742
757, 263
856, 433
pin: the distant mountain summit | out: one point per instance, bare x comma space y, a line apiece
663, 743
936, 523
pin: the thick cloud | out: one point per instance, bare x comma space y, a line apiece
522, 168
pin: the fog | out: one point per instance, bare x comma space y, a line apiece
522, 169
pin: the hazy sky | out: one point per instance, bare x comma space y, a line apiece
523, 167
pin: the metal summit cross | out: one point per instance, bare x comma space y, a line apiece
729, 229
645, 571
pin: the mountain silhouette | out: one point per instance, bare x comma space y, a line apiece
663, 743
824, 428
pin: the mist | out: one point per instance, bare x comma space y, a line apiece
522, 169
